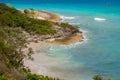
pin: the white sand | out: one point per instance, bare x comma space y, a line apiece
48, 64
42, 62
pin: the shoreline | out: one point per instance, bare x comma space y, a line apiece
43, 64
41, 14
71, 39
66, 36
46, 64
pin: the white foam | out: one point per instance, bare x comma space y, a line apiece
67, 17
84, 31
73, 23
73, 45
99, 19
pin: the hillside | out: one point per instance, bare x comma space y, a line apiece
13, 28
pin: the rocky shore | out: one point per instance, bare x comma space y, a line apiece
65, 35
42, 63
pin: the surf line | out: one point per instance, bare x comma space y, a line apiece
99, 19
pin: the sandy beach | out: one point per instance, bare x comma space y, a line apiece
47, 64
44, 63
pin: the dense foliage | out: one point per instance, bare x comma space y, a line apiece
11, 56
13, 40
39, 77
64, 25
11, 17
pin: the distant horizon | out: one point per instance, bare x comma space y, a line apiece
102, 2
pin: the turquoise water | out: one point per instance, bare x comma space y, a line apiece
99, 53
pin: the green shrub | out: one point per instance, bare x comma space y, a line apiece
3, 77
26, 11
14, 18
39, 77
64, 25
32, 77
97, 77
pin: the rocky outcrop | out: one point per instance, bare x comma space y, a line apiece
62, 33
43, 15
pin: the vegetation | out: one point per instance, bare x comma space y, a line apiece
64, 25
97, 77
13, 25
11, 57
12, 41
26, 11
11, 17
39, 77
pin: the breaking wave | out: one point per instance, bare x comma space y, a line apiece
99, 19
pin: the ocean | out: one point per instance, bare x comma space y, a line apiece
99, 53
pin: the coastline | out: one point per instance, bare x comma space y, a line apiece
78, 37
68, 35
41, 14
97, 54
42, 63
46, 64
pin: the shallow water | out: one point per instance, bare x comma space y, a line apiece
99, 53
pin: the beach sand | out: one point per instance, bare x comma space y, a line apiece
43, 63
49, 65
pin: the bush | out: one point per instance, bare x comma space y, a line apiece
97, 77
64, 25
26, 11
3, 77
14, 18
39, 77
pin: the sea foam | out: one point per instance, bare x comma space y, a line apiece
73, 45
99, 19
